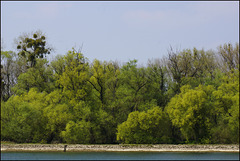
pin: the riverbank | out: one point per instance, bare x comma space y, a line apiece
121, 147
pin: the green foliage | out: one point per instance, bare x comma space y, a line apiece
11, 67
22, 121
107, 126
58, 116
226, 112
77, 133
39, 77
33, 48
157, 83
74, 79
190, 67
190, 111
192, 96
150, 127
230, 56
104, 81
134, 82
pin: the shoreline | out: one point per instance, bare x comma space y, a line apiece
118, 148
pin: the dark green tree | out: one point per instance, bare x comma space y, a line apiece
33, 47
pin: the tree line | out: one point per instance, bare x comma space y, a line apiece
188, 96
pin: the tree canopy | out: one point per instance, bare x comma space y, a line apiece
189, 96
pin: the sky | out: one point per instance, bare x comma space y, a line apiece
122, 30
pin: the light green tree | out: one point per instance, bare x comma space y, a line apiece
73, 81
191, 112
77, 133
149, 127
22, 119
58, 116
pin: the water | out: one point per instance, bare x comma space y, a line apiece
118, 156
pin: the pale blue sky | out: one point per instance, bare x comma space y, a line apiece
123, 30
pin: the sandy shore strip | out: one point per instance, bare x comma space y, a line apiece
120, 148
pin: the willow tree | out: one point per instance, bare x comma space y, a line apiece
191, 111
146, 127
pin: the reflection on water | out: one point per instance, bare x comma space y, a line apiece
118, 156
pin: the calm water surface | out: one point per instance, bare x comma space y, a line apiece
118, 156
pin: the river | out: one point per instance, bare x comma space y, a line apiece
119, 156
